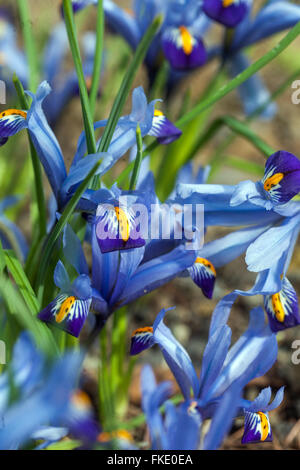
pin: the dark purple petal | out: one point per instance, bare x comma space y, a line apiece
257, 428
282, 308
227, 12
141, 339
203, 274
67, 313
12, 121
281, 180
182, 49
163, 129
117, 229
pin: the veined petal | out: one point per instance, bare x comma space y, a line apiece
257, 428
67, 312
163, 129
204, 275
44, 140
281, 180
227, 12
116, 229
12, 121
276, 16
282, 308
183, 49
141, 339
176, 357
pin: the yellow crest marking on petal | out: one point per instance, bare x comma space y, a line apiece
10, 112
273, 181
123, 223
81, 400
147, 329
120, 434
158, 113
65, 309
277, 307
207, 264
187, 40
264, 425
227, 3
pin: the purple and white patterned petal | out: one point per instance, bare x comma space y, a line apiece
282, 308
163, 129
67, 313
227, 12
257, 428
12, 121
117, 228
141, 339
203, 274
281, 180
183, 49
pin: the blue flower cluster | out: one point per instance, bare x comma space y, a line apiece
41, 398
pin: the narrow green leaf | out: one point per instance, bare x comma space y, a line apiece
225, 90
244, 165
98, 57
30, 43
19, 310
20, 278
138, 160
85, 104
242, 77
2, 259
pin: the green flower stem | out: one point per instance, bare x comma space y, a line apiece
104, 144
85, 104
138, 160
38, 179
30, 43
98, 57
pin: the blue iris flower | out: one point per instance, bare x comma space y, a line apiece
216, 394
268, 239
44, 395
48, 149
257, 423
180, 38
64, 85
251, 356
166, 433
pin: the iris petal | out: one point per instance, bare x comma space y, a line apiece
67, 313
203, 274
141, 339
12, 121
281, 180
183, 49
163, 129
227, 12
257, 428
117, 229
282, 308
